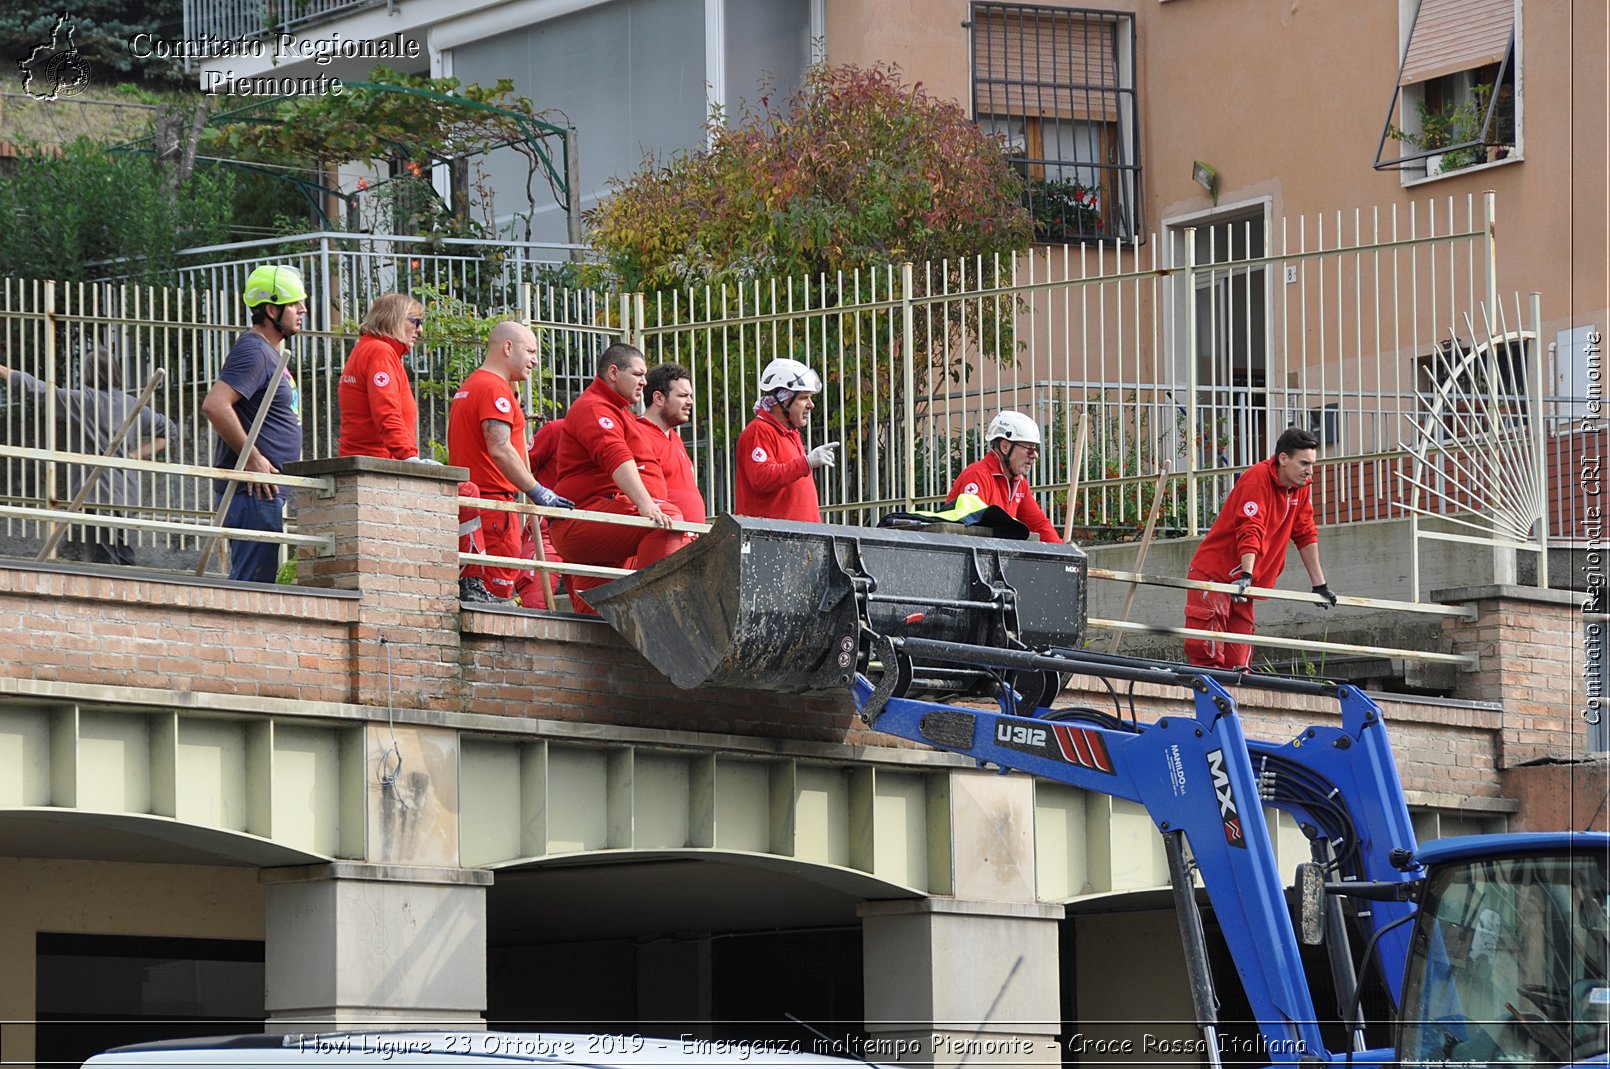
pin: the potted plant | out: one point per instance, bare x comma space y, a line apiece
1458, 125
1065, 208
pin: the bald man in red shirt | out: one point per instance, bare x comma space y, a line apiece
486, 434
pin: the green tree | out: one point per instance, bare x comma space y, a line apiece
67, 214
411, 120
102, 32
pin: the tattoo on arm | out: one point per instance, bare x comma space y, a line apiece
497, 432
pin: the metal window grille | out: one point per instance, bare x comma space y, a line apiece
1057, 84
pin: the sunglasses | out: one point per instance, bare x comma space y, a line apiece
417, 321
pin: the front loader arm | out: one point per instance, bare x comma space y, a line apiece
1341, 785
1193, 775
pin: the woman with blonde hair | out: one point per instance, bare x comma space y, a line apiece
379, 416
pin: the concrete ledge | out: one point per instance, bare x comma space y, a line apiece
146, 575
376, 466
1038, 911
1465, 802
1538, 595
358, 870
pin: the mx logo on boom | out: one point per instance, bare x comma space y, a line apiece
1233, 833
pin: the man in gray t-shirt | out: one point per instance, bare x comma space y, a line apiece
91, 417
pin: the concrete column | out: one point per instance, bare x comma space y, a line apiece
951, 981
395, 528
353, 945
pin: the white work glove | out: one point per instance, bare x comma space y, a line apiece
423, 460
823, 456
541, 495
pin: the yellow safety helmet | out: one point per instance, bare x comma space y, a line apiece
274, 284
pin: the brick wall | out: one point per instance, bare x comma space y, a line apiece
1529, 647
1561, 796
77, 627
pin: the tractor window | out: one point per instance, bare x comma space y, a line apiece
1508, 964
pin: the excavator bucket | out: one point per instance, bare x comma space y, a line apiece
794, 607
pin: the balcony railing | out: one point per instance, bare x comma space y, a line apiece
240, 20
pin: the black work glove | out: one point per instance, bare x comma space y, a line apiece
1324, 591
1240, 580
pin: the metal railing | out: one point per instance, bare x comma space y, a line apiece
1189, 352
535, 513
241, 20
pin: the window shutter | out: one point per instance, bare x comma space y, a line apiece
1457, 35
1032, 62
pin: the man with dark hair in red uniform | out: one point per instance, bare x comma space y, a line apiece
775, 473
1269, 505
1001, 478
608, 463
668, 404
486, 434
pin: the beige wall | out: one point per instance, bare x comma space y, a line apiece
109, 898
1287, 101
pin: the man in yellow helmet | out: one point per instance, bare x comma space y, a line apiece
247, 382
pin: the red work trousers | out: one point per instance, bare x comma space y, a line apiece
500, 535
612, 545
1209, 610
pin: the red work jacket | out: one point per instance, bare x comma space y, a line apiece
379, 416
600, 434
1260, 516
680, 488
774, 481
986, 479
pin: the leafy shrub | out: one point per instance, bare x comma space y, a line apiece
63, 213
853, 170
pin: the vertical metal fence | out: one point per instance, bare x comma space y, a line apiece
1192, 350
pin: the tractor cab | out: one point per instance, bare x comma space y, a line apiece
1508, 960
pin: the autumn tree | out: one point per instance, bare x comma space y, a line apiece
846, 179
855, 169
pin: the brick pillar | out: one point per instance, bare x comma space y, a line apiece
1529, 642
395, 527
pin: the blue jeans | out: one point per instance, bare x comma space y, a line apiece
255, 562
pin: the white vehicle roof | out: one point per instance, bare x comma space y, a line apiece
463, 1050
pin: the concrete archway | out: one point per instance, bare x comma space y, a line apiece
711, 944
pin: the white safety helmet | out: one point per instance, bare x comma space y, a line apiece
786, 374
1014, 427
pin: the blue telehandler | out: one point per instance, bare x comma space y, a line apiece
1493, 949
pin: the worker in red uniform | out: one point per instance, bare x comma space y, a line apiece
608, 463
486, 434
774, 470
1001, 478
379, 416
1269, 505
668, 405
543, 459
